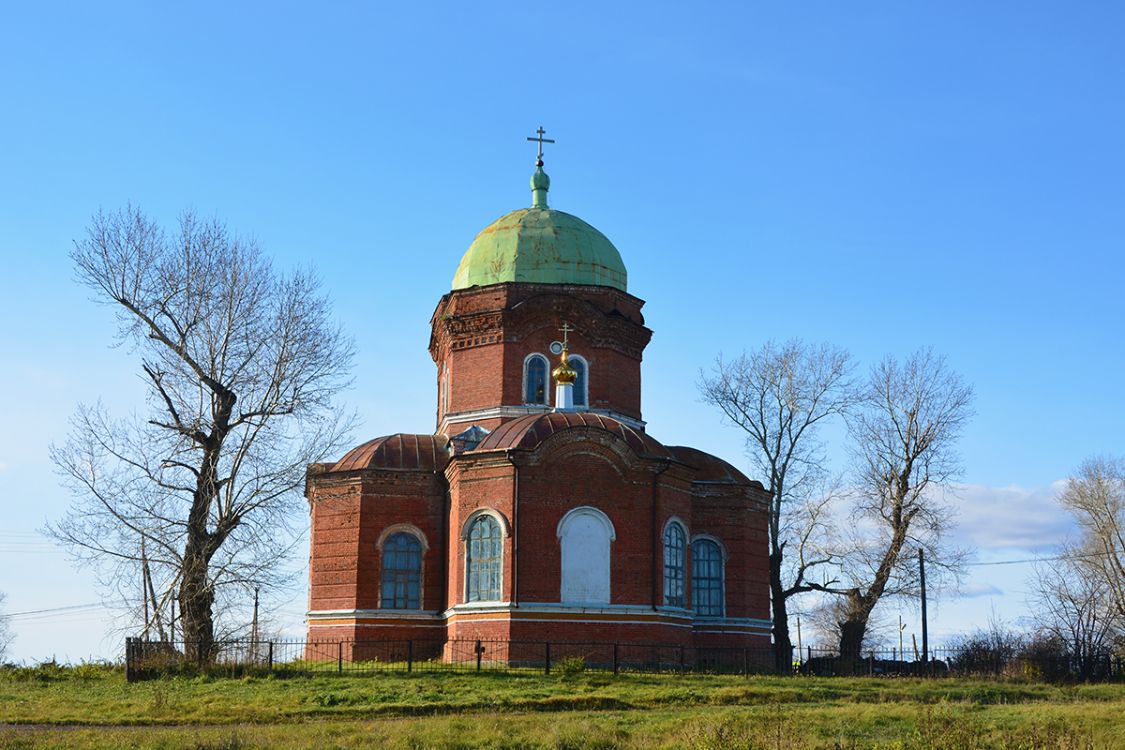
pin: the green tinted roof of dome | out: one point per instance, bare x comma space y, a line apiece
541, 246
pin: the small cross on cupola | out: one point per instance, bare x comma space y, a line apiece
538, 138
565, 375
566, 329
540, 182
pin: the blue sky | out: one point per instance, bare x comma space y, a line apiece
883, 176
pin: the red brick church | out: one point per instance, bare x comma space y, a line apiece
540, 508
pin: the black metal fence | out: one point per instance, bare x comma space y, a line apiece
146, 659
964, 662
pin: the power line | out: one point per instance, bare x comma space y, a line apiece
1056, 558
70, 608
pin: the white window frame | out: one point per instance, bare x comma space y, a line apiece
586, 368
505, 533
546, 384
685, 578
414, 531
723, 557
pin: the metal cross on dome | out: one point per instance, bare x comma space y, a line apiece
566, 329
540, 140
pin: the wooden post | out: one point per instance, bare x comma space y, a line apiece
269, 657
130, 658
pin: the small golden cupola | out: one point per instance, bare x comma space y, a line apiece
564, 374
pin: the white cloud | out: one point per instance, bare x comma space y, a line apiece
977, 590
1010, 518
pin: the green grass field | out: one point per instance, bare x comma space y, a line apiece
93, 707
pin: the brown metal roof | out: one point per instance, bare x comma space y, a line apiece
709, 468
398, 452
527, 433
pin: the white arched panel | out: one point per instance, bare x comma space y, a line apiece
585, 535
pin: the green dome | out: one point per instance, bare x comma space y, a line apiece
539, 245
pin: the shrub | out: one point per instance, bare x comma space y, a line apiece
571, 666
988, 651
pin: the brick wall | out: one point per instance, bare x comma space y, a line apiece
485, 334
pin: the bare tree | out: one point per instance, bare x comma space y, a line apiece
1096, 498
1072, 603
6, 636
779, 396
904, 448
241, 364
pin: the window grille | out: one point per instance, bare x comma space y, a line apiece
484, 555
674, 565
535, 380
706, 578
402, 572
581, 395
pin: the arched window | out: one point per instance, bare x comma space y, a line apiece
535, 379
585, 535
402, 572
581, 383
707, 578
674, 543
483, 558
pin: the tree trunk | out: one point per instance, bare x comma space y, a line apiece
196, 599
782, 644
196, 592
852, 632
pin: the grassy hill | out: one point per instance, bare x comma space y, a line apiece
93, 707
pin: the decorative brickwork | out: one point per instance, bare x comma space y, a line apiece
482, 336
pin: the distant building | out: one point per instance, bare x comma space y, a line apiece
540, 509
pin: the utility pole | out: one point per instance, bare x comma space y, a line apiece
925, 628
254, 626
144, 585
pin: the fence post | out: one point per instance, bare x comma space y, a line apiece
269, 658
547, 657
681, 659
870, 663
480, 651
339, 657
616, 661
410, 656
129, 657
746, 661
